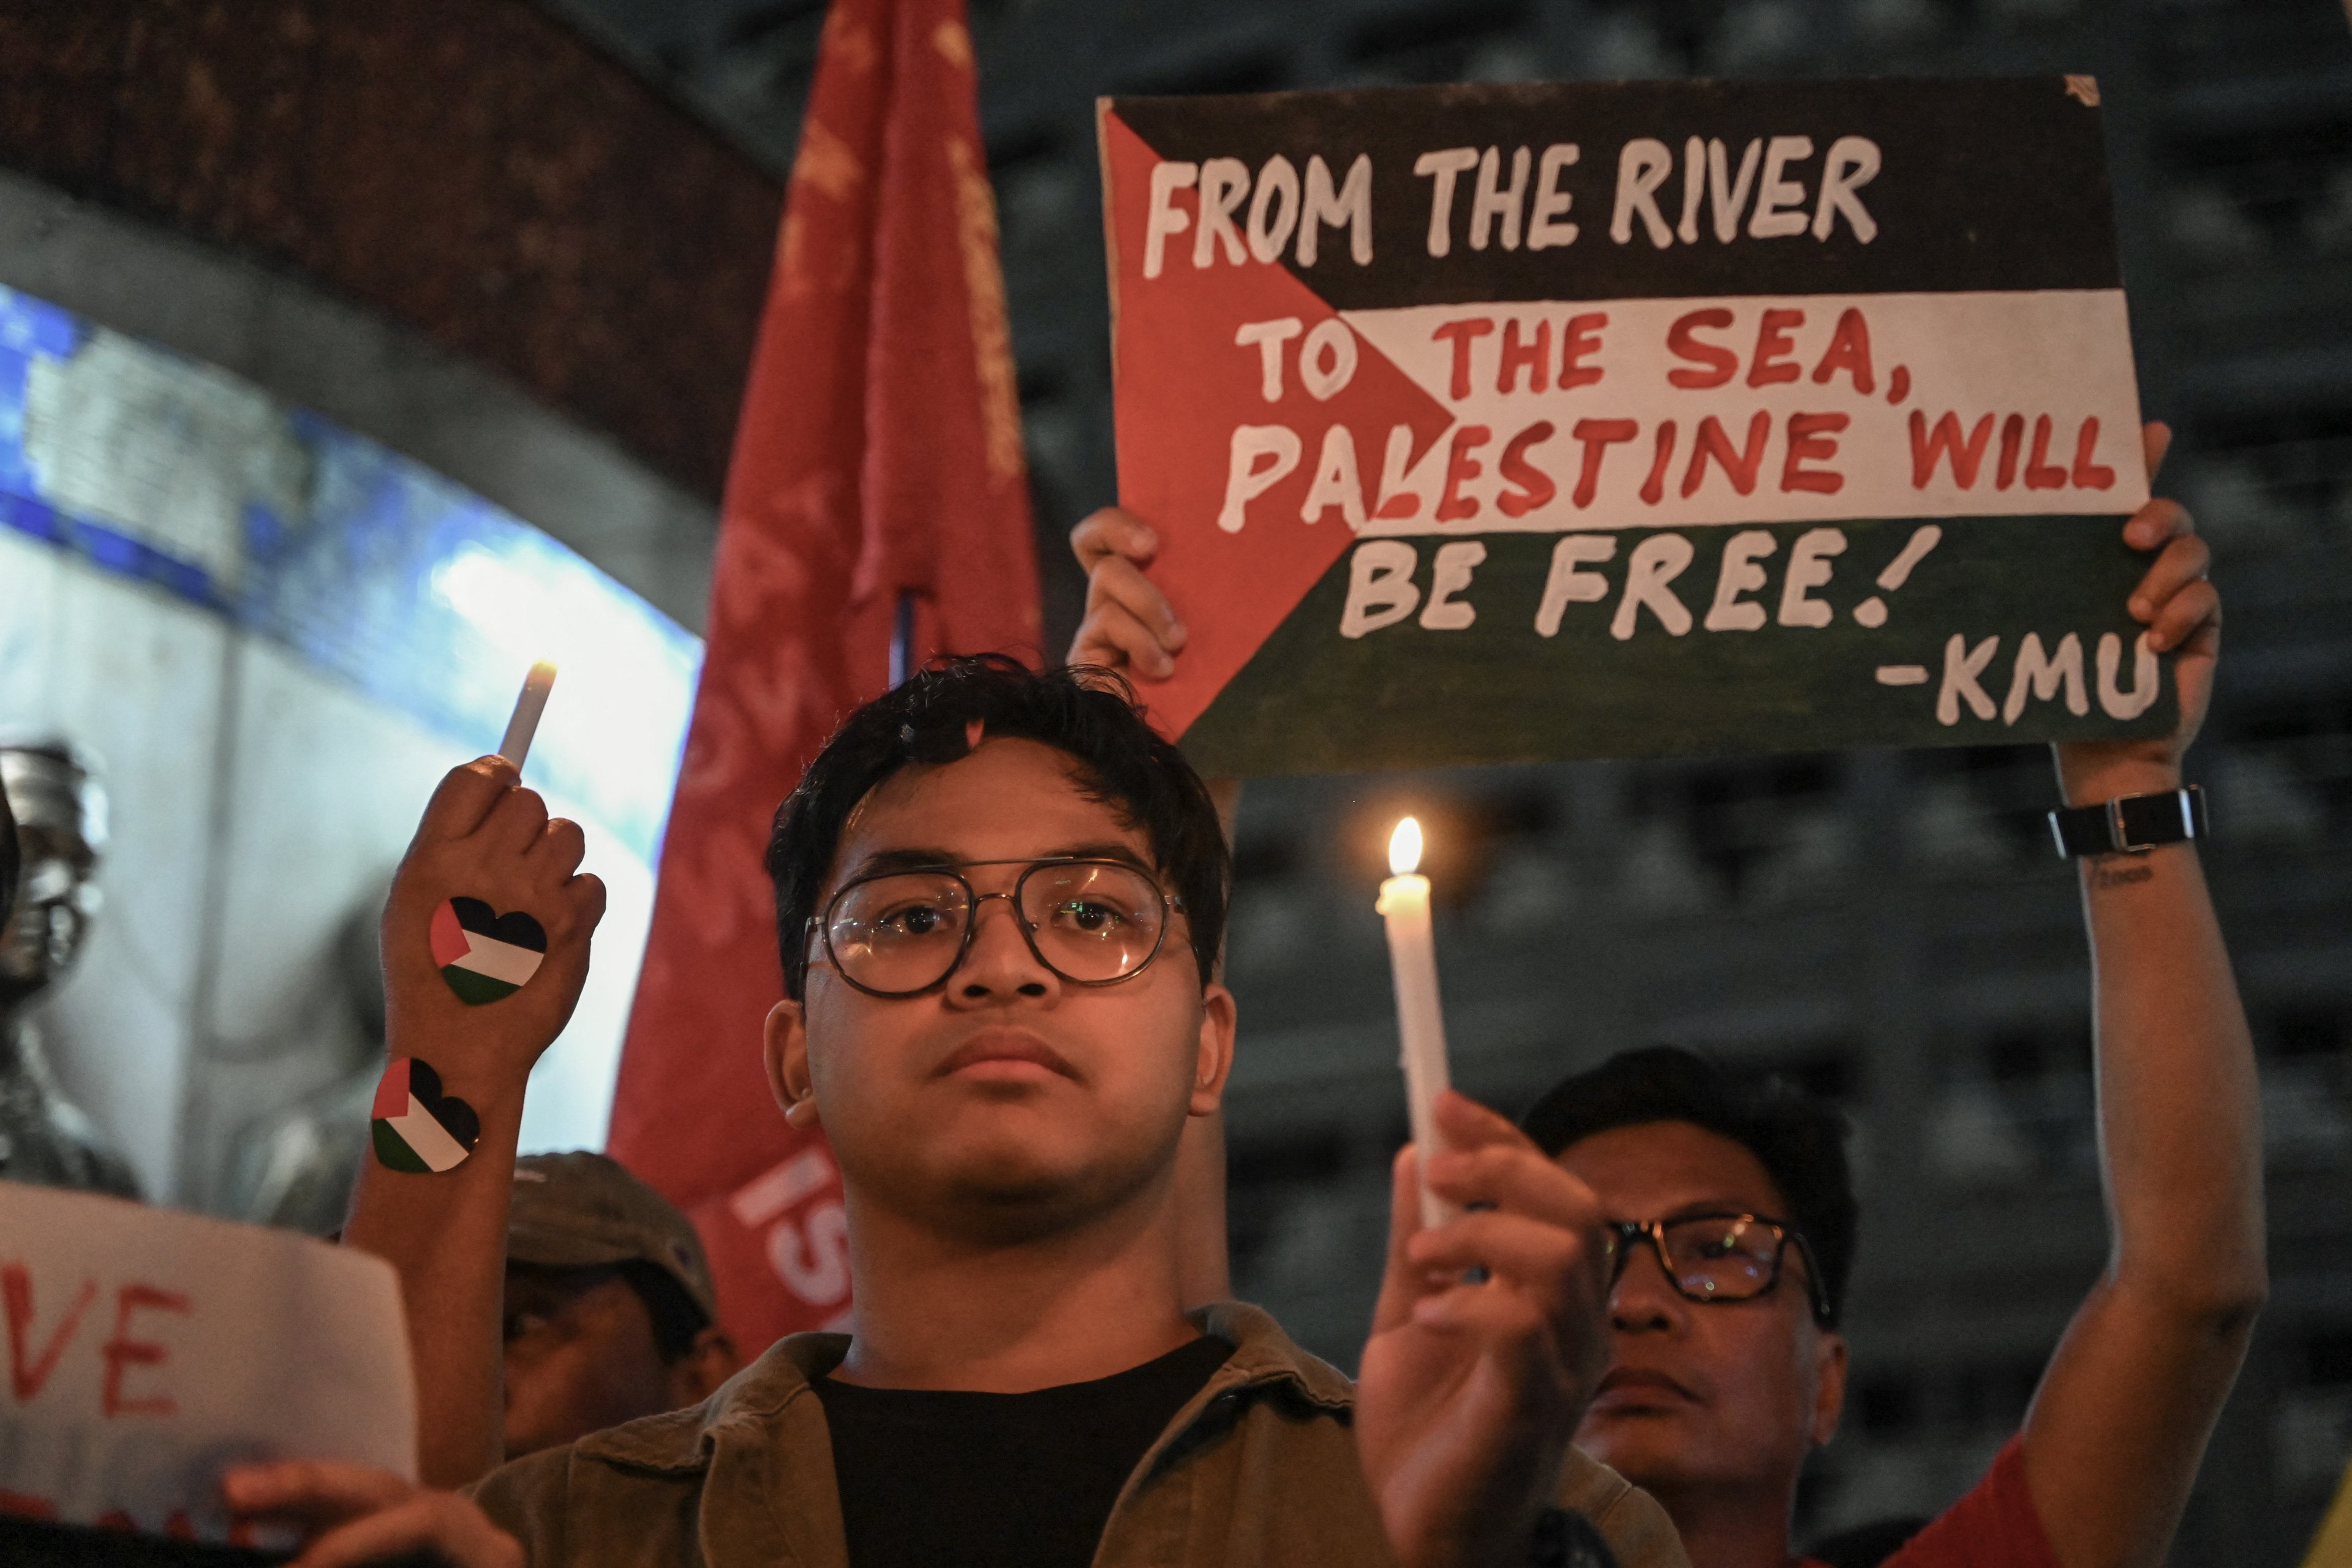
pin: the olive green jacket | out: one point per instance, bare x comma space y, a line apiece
1258, 1470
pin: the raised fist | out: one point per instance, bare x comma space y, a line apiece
485, 933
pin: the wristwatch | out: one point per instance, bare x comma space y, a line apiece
2131, 824
1567, 1540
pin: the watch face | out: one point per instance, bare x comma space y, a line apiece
2130, 822
2149, 819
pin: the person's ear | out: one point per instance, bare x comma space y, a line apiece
784, 1053
1214, 1061
1829, 1385
710, 1360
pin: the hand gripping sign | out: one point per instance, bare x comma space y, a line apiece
1492, 423
149, 1350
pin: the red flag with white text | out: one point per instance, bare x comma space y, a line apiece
878, 459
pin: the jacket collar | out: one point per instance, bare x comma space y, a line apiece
1265, 1356
682, 1441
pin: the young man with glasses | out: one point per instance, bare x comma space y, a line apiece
1001, 899
1736, 1221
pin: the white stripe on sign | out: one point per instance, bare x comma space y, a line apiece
1852, 391
499, 960
427, 1138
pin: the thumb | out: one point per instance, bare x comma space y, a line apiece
1402, 1284
2156, 440
1113, 531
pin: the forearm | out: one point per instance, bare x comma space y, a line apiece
2180, 1114
2119, 1424
445, 1234
483, 841
2116, 1432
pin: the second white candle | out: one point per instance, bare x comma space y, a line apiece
1421, 1019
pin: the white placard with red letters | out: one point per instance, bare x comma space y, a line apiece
149, 1348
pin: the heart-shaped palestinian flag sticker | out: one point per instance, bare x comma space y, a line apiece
483, 954
418, 1129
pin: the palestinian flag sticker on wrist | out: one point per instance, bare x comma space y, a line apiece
418, 1129
484, 955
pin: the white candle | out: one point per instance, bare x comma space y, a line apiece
528, 705
1421, 1021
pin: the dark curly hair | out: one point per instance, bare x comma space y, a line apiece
1797, 1138
1090, 715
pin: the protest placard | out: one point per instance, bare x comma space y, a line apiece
148, 1350
1512, 422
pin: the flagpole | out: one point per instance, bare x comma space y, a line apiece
902, 634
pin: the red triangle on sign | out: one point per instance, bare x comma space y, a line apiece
1185, 386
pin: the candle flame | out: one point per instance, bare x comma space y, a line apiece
1404, 847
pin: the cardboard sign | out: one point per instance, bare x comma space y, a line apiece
148, 1350
1495, 423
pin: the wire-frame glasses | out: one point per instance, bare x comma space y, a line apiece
901, 933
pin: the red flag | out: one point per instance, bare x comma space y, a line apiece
878, 457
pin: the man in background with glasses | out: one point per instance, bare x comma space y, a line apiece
1726, 1291
1736, 1218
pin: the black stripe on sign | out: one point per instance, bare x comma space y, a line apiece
1312, 701
1983, 184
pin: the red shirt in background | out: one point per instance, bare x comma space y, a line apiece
1993, 1527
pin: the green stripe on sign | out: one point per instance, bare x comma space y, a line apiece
1404, 695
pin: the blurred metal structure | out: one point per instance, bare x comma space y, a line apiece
1891, 929
57, 815
306, 312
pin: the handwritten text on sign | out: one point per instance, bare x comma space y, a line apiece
1611, 316
148, 1350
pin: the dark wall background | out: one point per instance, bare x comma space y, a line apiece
474, 168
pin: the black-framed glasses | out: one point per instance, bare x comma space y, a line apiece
901, 933
1714, 1258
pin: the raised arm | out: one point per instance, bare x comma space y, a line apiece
483, 838
2121, 1420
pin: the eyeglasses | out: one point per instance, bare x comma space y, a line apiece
901, 933
1714, 1258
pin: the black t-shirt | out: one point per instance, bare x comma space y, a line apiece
1023, 1480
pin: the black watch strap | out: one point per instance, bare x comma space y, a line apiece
2131, 824
1565, 1539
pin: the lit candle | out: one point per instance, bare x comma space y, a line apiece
1421, 1021
528, 705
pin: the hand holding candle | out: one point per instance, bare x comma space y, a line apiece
1421, 1021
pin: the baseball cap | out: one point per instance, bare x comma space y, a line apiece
582, 1210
